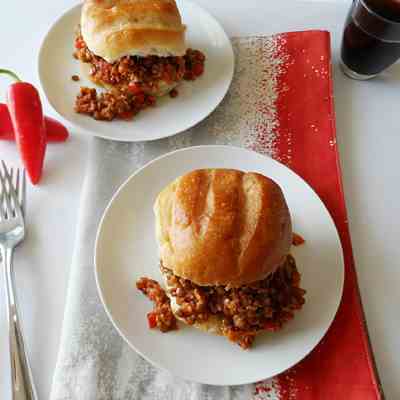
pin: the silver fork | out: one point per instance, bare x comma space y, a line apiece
12, 232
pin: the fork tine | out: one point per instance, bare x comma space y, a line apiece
10, 194
2, 194
23, 196
17, 188
12, 183
7, 202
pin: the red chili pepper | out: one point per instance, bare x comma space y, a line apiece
56, 131
27, 120
152, 320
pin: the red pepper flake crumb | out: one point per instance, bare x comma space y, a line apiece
173, 93
75, 78
297, 240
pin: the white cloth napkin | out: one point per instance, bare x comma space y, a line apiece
94, 363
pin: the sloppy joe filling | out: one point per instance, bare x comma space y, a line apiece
161, 317
264, 305
135, 81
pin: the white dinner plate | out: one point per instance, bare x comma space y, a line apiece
126, 250
196, 99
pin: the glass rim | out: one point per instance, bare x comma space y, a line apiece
389, 21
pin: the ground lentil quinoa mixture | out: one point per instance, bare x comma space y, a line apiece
134, 80
244, 311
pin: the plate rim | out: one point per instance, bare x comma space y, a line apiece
93, 133
169, 154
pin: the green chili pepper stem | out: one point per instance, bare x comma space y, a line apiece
10, 73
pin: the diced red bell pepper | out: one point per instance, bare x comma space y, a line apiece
127, 115
297, 240
198, 69
135, 88
140, 98
152, 320
271, 326
79, 44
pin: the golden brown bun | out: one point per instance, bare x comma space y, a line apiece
116, 28
222, 227
159, 90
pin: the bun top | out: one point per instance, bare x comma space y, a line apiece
116, 28
222, 227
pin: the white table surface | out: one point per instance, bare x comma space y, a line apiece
369, 142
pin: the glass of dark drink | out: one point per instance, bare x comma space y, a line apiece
371, 38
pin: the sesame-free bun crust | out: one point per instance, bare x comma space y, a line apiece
222, 227
115, 28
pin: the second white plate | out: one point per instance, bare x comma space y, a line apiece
196, 99
126, 250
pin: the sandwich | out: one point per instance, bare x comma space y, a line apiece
136, 50
224, 240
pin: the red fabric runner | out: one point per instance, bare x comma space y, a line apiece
342, 365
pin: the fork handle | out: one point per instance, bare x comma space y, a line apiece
21, 374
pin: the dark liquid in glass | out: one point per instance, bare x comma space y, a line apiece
370, 53
389, 9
